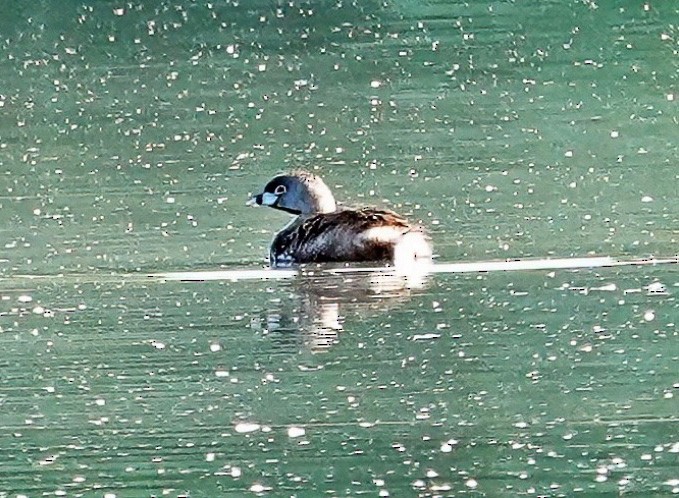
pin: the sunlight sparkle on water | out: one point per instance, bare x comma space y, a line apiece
245, 427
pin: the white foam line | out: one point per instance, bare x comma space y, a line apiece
233, 275
527, 264
477, 267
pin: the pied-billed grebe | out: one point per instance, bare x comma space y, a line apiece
321, 233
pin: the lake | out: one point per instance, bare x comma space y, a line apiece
148, 350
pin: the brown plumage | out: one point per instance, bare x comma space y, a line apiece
320, 233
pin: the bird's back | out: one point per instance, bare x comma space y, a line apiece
348, 235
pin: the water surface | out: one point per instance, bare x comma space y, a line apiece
130, 138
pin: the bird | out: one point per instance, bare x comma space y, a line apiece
322, 233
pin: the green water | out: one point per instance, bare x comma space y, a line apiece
131, 135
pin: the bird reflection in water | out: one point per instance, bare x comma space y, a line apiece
322, 303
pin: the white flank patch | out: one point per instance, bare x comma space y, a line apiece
412, 248
382, 234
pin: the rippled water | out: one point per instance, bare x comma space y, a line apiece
130, 138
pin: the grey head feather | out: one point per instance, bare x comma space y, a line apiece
298, 193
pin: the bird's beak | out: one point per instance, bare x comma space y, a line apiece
267, 199
263, 199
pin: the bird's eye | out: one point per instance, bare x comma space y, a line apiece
280, 190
